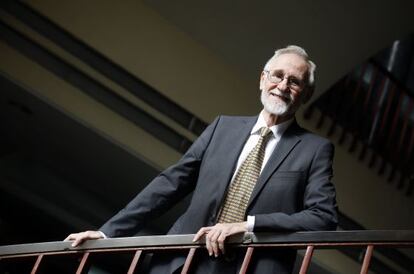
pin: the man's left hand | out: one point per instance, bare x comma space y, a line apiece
217, 234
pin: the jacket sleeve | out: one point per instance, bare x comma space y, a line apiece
165, 190
319, 202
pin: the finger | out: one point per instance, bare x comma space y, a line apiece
215, 249
213, 236
202, 231
69, 238
220, 241
209, 247
78, 240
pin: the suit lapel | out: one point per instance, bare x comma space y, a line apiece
236, 137
286, 144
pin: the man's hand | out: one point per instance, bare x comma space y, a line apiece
79, 238
217, 234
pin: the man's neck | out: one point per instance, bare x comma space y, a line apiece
272, 119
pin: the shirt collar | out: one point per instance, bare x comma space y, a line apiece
277, 130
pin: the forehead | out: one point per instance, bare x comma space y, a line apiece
289, 63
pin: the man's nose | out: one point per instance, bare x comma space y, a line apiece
283, 85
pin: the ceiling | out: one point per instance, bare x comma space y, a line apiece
338, 35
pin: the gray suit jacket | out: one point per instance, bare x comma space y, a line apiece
294, 191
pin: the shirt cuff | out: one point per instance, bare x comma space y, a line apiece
250, 223
103, 235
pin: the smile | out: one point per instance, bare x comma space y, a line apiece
282, 97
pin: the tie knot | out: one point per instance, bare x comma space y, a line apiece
265, 132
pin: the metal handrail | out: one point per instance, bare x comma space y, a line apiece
298, 240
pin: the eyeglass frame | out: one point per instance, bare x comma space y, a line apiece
296, 86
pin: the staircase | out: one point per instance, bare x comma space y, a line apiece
374, 106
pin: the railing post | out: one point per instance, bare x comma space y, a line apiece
306, 260
188, 260
134, 262
33, 254
82, 263
367, 259
37, 263
246, 260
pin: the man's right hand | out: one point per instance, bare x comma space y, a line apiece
79, 238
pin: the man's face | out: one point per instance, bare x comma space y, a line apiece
283, 84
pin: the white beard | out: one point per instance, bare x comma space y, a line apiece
276, 107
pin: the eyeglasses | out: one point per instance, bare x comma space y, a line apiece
277, 76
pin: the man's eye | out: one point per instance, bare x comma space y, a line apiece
277, 75
295, 81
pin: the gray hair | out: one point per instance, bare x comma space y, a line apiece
301, 52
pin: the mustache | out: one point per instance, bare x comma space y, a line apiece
280, 94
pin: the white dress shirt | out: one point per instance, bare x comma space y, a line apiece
277, 131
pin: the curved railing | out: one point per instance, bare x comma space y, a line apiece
375, 111
136, 246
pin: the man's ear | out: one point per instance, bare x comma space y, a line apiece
308, 94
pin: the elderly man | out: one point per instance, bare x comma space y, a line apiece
262, 173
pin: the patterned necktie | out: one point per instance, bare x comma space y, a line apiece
238, 194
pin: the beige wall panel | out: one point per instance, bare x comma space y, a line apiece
144, 43
363, 194
85, 109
